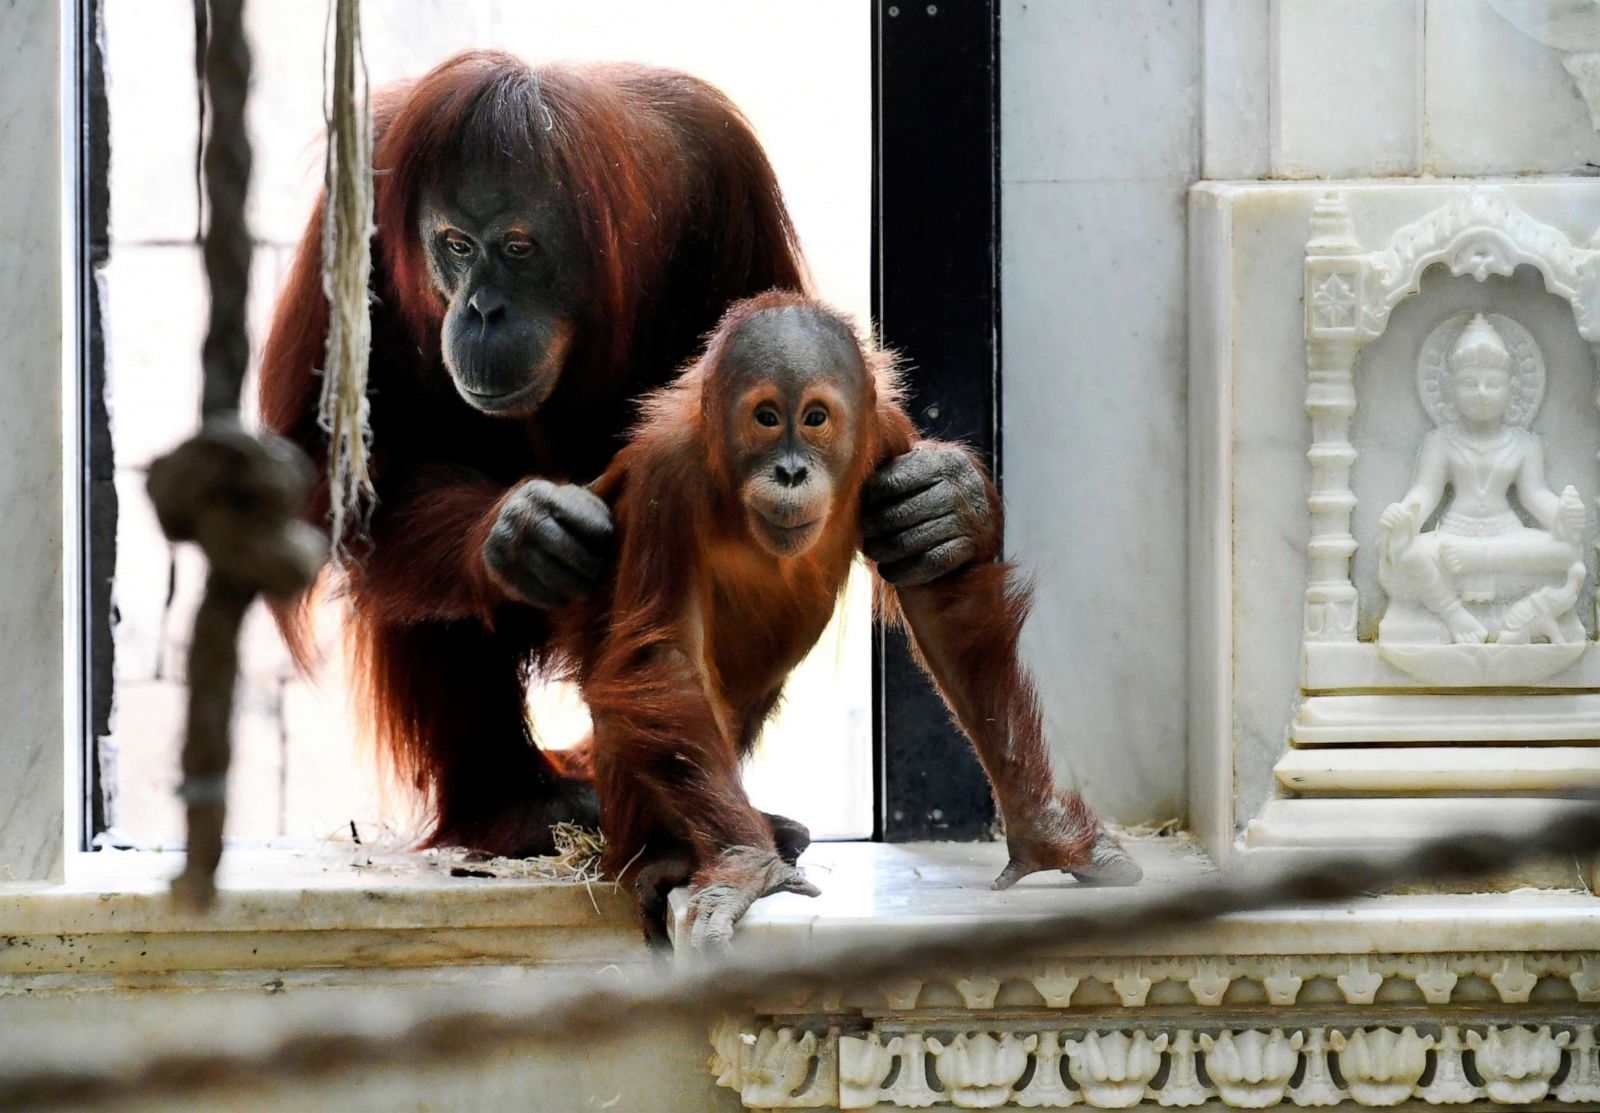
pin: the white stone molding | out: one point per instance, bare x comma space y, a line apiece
777, 1068
1582, 1083
1450, 1084
1335, 294
1349, 296
1245, 1067
1317, 1088
1252, 1031
980, 1070
1210, 981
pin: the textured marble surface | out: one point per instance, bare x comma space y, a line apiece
1095, 166
32, 742
1097, 91
1498, 101
874, 891
1236, 96
1357, 88
1345, 87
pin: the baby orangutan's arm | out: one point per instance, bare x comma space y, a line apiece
965, 627
671, 803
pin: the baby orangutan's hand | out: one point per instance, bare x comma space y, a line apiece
721, 892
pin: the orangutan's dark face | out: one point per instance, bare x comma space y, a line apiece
503, 249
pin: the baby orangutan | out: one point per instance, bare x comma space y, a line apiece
737, 508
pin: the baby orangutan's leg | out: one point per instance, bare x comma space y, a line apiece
668, 777
965, 628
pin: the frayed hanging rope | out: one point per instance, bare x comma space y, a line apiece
239, 497
346, 268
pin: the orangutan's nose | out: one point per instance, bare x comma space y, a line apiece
789, 475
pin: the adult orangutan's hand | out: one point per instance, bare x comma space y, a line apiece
928, 513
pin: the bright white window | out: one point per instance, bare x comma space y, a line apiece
801, 72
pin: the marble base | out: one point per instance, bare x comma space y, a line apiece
1484, 718
1386, 824
1423, 770
327, 916
1332, 666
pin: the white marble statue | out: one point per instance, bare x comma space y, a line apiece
1482, 574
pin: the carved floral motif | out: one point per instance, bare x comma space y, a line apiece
980, 1070
1518, 1063
1248, 1068
1252, 1068
1114, 1068
1380, 1065
1207, 979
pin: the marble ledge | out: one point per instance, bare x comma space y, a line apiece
884, 894
295, 913
316, 888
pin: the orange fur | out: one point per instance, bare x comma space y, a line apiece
688, 646
679, 214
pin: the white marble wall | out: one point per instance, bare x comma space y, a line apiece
1110, 111
1100, 124
32, 740
1359, 88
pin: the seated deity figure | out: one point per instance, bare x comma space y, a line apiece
1482, 573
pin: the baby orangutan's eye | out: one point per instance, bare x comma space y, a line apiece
768, 417
816, 418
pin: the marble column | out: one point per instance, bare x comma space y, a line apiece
32, 707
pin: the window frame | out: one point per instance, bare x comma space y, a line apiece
935, 78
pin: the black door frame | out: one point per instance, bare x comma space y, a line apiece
936, 298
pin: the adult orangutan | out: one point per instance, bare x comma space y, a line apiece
551, 243
737, 506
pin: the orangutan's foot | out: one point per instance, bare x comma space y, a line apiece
652, 885
1109, 864
1057, 834
791, 836
724, 890
1064, 835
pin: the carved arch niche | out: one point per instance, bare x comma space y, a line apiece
1381, 716
1351, 297
1391, 418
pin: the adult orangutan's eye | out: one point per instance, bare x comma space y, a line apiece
768, 417
518, 249
817, 417
457, 245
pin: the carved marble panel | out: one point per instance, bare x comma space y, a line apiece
1449, 439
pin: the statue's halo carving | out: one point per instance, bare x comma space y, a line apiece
1527, 369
